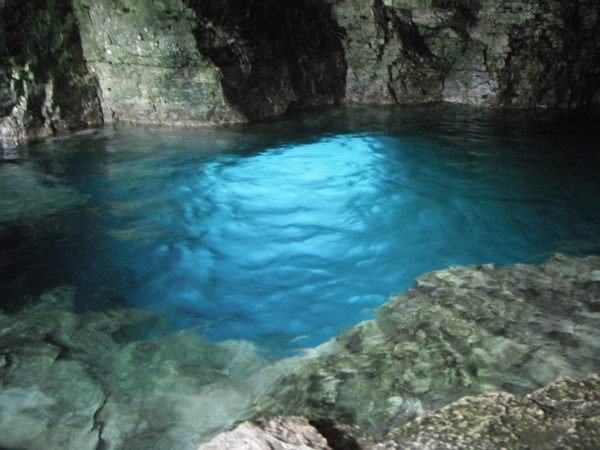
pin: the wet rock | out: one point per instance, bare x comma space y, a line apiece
458, 332
84, 381
284, 433
566, 414
97, 380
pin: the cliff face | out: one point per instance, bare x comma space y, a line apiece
541, 53
45, 84
71, 63
148, 65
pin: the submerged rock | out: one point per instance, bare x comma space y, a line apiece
88, 380
85, 381
458, 332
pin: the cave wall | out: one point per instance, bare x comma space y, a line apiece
274, 55
45, 85
68, 64
495, 53
211, 61
148, 64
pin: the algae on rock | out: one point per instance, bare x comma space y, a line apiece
85, 381
45, 85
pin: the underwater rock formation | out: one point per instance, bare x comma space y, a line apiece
122, 379
458, 332
565, 414
67, 64
93, 380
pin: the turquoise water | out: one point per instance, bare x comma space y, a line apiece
289, 231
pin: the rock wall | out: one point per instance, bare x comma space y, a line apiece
274, 55
45, 85
541, 53
69, 64
148, 64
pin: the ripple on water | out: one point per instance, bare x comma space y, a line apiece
287, 232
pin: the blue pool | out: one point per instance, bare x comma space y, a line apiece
289, 231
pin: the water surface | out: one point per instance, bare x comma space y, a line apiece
289, 231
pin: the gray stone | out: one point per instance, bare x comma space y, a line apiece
148, 65
485, 53
287, 433
565, 414
72, 64
89, 380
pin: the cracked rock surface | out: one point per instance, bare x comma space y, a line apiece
88, 381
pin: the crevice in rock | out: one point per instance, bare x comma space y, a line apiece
273, 55
466, 11
64, 350
338, 436
99, 426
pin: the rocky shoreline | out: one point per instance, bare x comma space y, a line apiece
565, 415
91, 380
457, 332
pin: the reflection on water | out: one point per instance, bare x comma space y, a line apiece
287, 232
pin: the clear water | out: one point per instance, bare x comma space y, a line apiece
287, 232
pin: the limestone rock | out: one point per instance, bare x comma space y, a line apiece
79, 380
286, 433
69, 64
148, 65
84, 381
479, 52
566, 414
